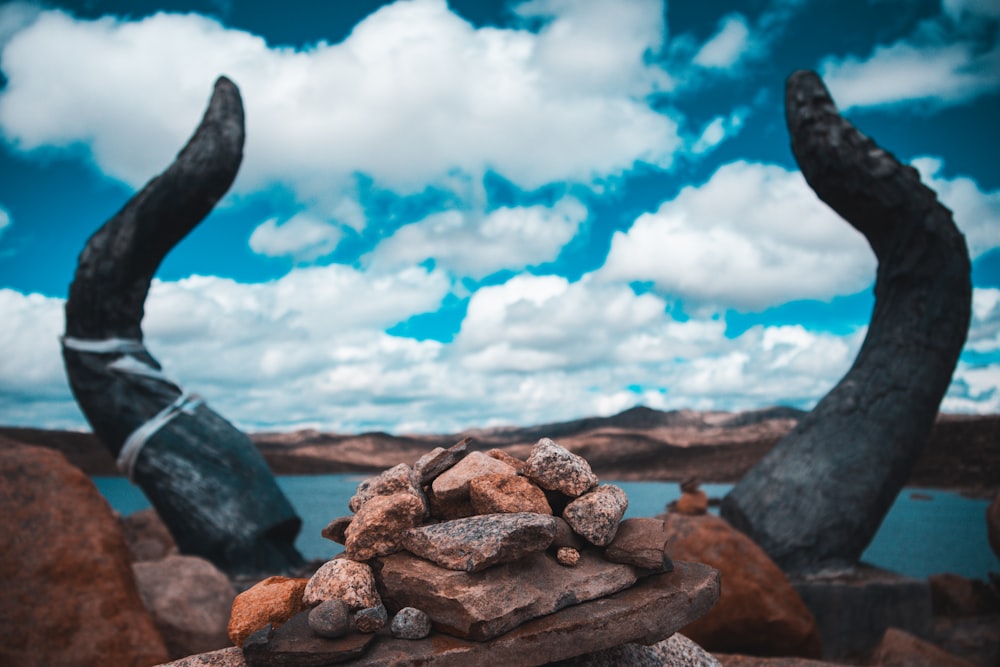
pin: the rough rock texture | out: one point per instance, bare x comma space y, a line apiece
901, 649
294, 644
330, 619
190, 600
67, 595
147, 537
501, 455
439, 459
817, 499
993, 524
379, 525
227, 657
596, 514
411, 623
759, 612
342, 579
640, 542
738, 660
557, 469
675, 651
398, 479
568, 556
271, 601
371, 619
336, 530
475, 543
492, 494
483, 605
453, 484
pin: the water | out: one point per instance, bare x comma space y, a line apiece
925, 532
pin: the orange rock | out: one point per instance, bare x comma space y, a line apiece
274, 600
67, 596
901, 649
759, 612
502, 493
691, 503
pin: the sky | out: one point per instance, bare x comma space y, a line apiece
475, 213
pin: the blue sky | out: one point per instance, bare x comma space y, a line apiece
464, 214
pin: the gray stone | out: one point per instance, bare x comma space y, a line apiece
439, 459
330, 619
675, 651
294, 644
475, 543
595, 515
492, 494
453, 484
483, 605
640, 542
225, 657
190, 600
556, 468
342, 579
411, 623
398, 479
147, 536
371, 619
379, 525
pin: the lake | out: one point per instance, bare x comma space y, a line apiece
925, 532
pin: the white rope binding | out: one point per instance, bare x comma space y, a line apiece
130, 365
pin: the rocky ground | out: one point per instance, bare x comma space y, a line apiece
962, 453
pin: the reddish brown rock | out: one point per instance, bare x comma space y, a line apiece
483, 605
294, 643
398, 479
190, 600
505, 494
596, 514
371, 619
453, 484
67, 594
568, 556
342, 579
954, 595
759, 613
565, 537
993, 524
336, 530
378, 527
901, 649
555, 468
738, 660
271, 601
500, 455
447, 510
226, 657
478, 542
147, 536
640, 542
692, 503
439, 459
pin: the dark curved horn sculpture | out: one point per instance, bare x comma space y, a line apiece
206, 479
817, 499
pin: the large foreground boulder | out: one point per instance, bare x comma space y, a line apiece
67, 596
758, 611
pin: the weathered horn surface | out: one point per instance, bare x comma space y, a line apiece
206, 479
817, 499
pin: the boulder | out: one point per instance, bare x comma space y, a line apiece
555, 468
190, 600
901, 649
272, 601
493, 494
596, 514
759, 612
67, 594
342, 579
478, 542
379, 526
147, 536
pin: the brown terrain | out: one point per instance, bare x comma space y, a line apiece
962, 453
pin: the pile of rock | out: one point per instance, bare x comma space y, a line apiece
501, 555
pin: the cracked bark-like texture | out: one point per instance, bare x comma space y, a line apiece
206, 479
817, 499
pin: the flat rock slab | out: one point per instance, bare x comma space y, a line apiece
650, 611
295, 645
483, 605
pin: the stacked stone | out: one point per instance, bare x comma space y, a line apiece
472, 544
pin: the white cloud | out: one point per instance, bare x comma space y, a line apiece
14, 17
4, 220
976, 213
753, 236
411, 97
725, 48
303, 237
718, 130
476, 245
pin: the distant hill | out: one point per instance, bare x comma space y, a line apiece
963, 451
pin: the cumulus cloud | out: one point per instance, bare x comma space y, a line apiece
393, 101
718, 130
751, 237
727, 45
475, 245
302, 237
976, 213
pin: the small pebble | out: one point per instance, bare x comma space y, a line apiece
568, 556
330, 619
411, 623
371, 619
